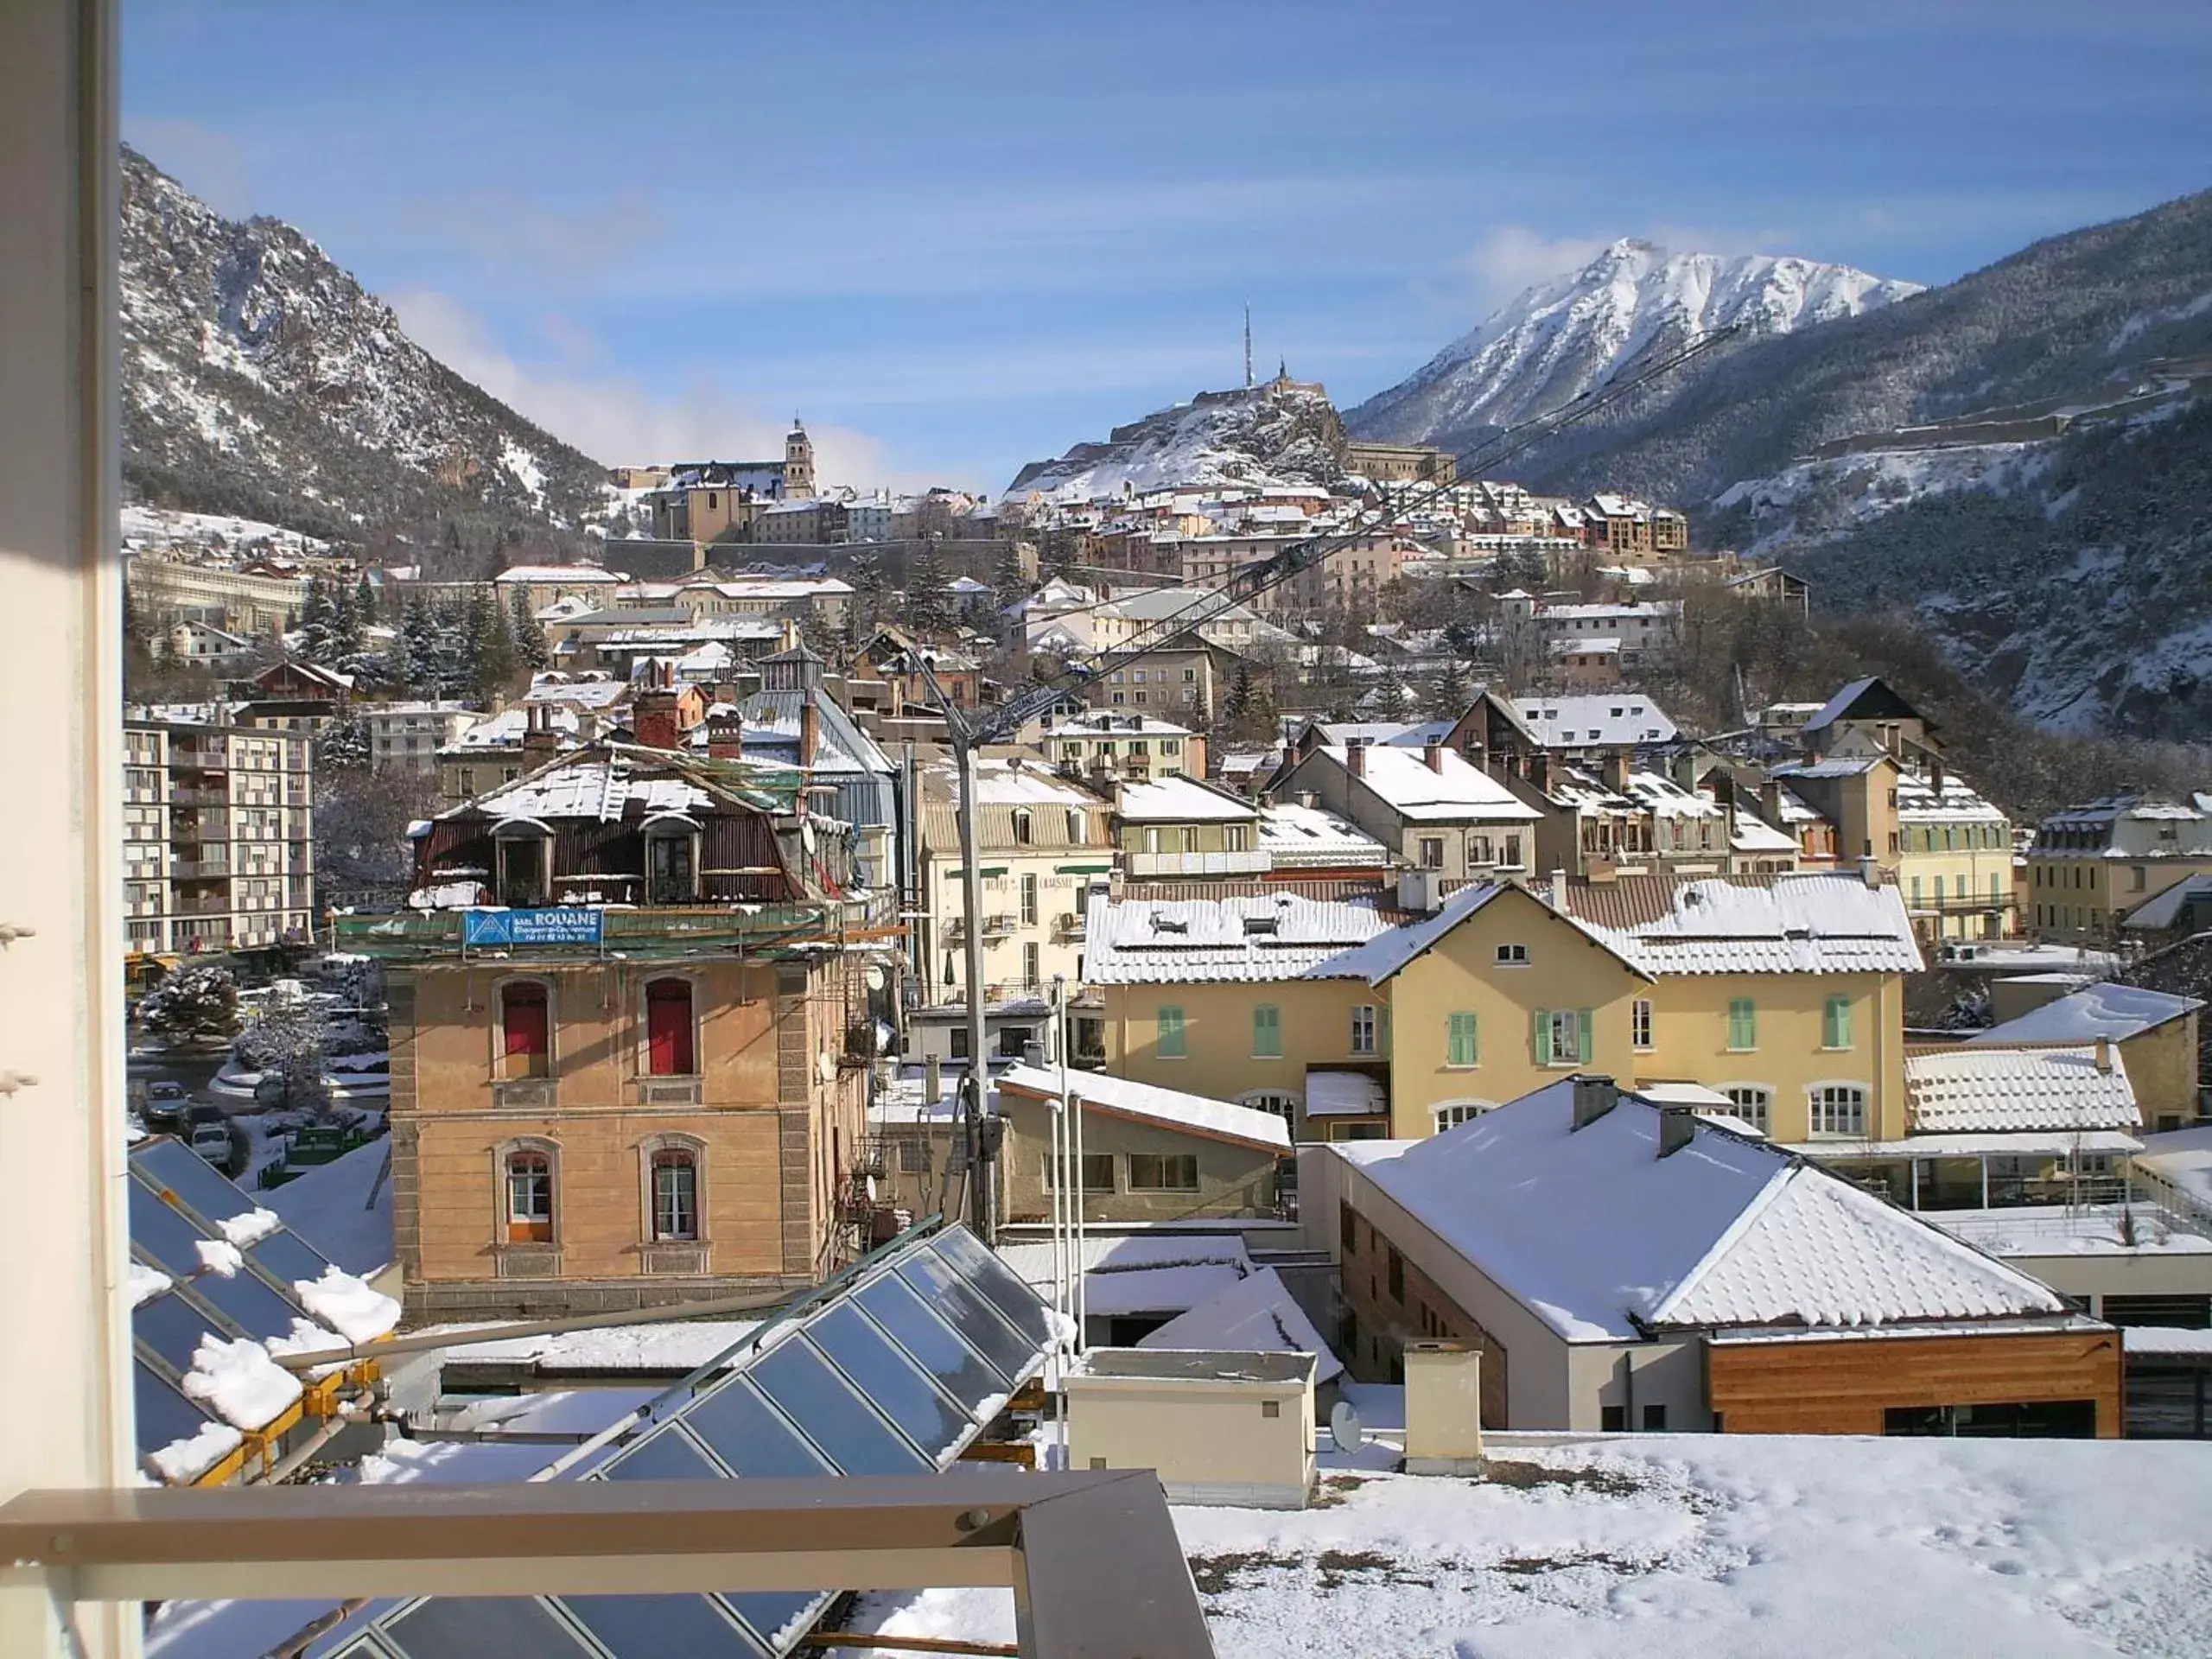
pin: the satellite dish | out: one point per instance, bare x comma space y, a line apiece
1345, 1428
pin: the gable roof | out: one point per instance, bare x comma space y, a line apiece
1806, 921
1384, 955
1177, 799
1723, 1232
1216, 1120
1254, 938
1871, 697
1620, 721
1985, 1088
1255, 1315
1449, 791
2104, 1009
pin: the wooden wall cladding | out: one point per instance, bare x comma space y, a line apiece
1843, 1386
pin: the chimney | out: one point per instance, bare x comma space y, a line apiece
1431, 754
1677, 1129
1540, 771
1616, 771
1771, 801
1355, 757
726, 737
1935, 775
1559, 890
653, 718
810, 731
540, 742
1309, 798
932, 1080
2104, 1056
1593, 1098
1869, 872
1685, 769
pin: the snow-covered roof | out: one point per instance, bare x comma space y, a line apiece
1754, 834
546, 574
1798, 922
1384, 955
1613, 722
1919, 801
1293, 835
1665, 799
1834, 709
1255, 1315
2157, 913
1345, 1094
1181, 800
1452, 791
1722, 1232
1988, 1088
1835, 765
1147, 1273
1117, 725
590, 786
1199, 1114
1265, 937
2103, 1009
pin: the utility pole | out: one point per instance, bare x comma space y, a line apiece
982, 1193
1248, 345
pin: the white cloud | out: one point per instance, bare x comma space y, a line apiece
1511, 258
617, 417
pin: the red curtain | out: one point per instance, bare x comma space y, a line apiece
668, 1028
523, 1017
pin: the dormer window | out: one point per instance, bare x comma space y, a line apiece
1024, 832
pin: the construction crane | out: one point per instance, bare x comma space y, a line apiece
969, 730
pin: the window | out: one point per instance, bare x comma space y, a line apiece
1347, 1229
671, 1051
1612, 1419
1023, 829
525, 1048
1152, 838
1098, 1173
676, 1194
1511, 857
1839, 1109
1513, 956
1563, 1036
1394, 1275
1163, 1171
1032, 966
1029, 901
1167, 1041
1464, 1111
1460, 1046
1432, 852
1639, 1022
1363, 1028
958, 1036
2136, 876
1743, 1024
1835, 1023
1267, 1032
1752, 1101
1655, 1419
1190, 837
1079, 828
1236, 837
530, 1198
914, 1155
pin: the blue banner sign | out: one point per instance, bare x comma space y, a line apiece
555, 924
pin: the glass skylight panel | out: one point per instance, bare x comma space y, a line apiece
164, 1415
208, 1195
474, 1627
900, 1387
661, 1627
666, 1456
173, 1328
289, 1257
957, 1367
814, 1396
248, 1303
748, 1434
983, 1326
999, 1283
163, 1234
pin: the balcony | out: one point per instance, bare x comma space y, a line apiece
199, 870
1069, 925
194, 794
1210, 864
645, 933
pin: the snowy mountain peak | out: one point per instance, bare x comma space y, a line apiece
1284, 431
1636, 300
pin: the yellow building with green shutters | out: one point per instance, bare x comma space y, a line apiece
1784, 993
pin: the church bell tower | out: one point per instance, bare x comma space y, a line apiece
798, 462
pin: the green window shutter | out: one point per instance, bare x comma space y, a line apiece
1838, 1031
1743, 1023
1540, 1034
1169, 1045
1461, 1044
1583, 1048
1267, 1032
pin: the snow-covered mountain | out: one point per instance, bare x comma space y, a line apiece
1633, 302
1285, 431
259, 378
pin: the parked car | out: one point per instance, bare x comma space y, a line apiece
165, 1105
213, 1141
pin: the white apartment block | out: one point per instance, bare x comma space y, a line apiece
407, 737
219, 849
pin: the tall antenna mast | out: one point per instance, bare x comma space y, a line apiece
1248, 345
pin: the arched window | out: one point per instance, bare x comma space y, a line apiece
674, 1176
526, 1030
1280, 1102
1838, 1109
530, 1198
671, 1048
1751, 1102
1454, 1113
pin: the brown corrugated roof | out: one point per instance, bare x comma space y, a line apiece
1326, 887
1636, 901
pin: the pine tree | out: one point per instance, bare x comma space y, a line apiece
1236, 706
345, 625
196, 1004
490, 644
929, 607
1453, 692
419, 646
316, 639
529, 639
452, 667
365, 601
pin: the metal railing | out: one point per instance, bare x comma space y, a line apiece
1249, 862
1092, 1558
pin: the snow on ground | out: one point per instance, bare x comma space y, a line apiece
1705, 1547
347, 1306
343, 1207
154, 527
615, 1348
1817, 500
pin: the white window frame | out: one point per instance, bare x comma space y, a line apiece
1640, 1031
1760, 1116
1451, 1114
1513, 956
1364, 1028
1814, 1107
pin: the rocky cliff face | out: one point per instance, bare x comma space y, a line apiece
1282, 432
260, 378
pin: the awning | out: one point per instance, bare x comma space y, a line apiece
1344, 1094
2053, 1143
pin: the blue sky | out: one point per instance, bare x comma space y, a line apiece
956, 236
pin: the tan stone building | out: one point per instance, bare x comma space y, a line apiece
599, 1107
